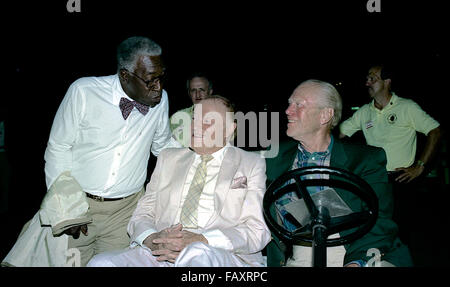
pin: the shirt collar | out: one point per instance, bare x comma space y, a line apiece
117, 91
392, 102
218, 155
322, 153
393, 99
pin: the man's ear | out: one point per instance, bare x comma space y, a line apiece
123, 75
388, 82
326, 115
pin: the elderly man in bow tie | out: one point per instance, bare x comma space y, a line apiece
203, 205
103, 133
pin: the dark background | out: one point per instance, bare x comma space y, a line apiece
255, 52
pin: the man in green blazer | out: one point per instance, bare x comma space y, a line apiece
314, 109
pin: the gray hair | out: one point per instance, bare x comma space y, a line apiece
330, 98
130, 49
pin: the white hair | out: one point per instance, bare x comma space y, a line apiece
329, 98
130, 49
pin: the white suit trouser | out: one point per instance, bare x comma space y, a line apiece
196, 254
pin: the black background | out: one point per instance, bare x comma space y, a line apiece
256, 53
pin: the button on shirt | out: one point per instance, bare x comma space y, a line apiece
393, 128
215, 237
105, 153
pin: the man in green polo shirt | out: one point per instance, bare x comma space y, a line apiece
391, 122
198, 87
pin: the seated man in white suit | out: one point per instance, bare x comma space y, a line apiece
203, 205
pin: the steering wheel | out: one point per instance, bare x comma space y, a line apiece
362, 221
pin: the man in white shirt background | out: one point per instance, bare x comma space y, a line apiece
223, 226
103, 133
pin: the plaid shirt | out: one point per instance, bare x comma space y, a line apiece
303, 159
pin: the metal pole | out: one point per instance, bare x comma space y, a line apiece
319, 249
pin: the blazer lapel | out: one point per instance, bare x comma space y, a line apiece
338, 155
182, 165
339, 159
228, 168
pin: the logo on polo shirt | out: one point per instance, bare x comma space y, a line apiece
392, 118
369, 124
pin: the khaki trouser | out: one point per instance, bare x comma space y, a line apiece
108, 230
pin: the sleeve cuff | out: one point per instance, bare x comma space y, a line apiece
217, 239
140, 239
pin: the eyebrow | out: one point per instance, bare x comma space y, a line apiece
155, 72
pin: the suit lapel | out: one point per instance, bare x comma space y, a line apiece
278, 165
228, 168
338, 155
182, 164
339, 159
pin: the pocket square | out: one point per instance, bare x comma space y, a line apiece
239, 182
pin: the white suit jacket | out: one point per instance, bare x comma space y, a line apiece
40, 243
237, 204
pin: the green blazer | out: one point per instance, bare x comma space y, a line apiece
370, 164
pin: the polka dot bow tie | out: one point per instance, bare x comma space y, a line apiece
126, 106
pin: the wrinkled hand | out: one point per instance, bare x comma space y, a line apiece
170, 232
179, 243
173, 245
74, 231
409, 173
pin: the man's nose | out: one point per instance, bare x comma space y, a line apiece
289, 109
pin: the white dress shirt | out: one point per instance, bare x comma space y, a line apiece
105, 153
206, 202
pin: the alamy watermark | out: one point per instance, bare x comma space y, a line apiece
73, 257
373, 6
210, 129
375, 261
73, 6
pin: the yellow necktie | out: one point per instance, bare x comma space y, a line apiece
189, 211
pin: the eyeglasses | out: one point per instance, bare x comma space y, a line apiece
372, 78
152, 82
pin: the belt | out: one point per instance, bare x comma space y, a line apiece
101, 199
